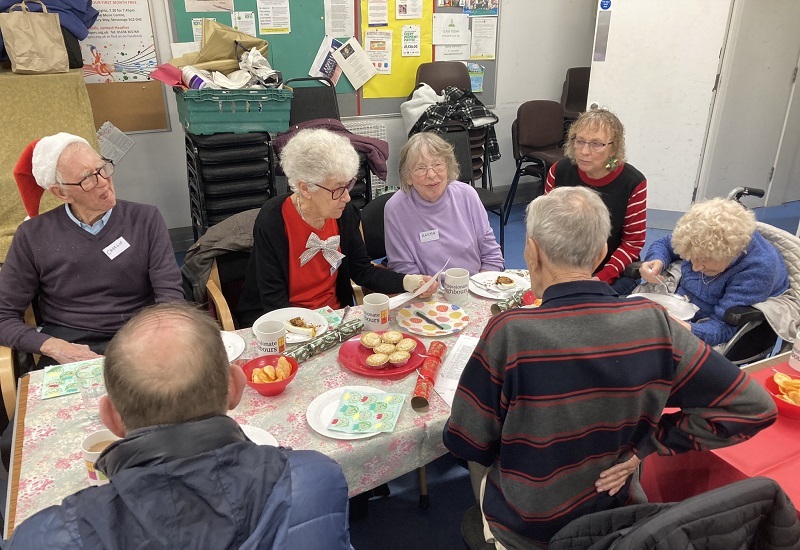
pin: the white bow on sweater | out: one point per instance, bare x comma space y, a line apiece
329, 248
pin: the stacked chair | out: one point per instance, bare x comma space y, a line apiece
228, 174
315, 98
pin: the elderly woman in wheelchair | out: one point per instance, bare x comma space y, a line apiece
726, 263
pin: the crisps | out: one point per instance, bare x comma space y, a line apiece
270, 374
789, 388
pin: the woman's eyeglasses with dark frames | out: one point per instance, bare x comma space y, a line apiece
337, 193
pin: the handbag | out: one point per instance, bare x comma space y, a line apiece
33, 40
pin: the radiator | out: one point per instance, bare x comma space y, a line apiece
371, 129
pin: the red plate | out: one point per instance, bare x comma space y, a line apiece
354, 357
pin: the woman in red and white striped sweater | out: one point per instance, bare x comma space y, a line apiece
595, 150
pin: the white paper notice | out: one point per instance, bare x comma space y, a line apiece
324, 64
450, 372
197, 28
273, 17
452, 52
244, 21
207, 5
450, 28
377, 13
378, 45
339, 18
411, 38
355, 63
484, 37
408, 9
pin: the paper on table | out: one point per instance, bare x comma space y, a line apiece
450, 371
360, 412
400, 299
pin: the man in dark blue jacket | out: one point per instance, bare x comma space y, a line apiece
184, 475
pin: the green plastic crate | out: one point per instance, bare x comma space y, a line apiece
238, 111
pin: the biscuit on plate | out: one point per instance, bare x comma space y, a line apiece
392, 336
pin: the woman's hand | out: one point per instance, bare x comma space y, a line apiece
651, 271
614, 479
411, 283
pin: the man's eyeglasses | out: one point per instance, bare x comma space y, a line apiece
90, 182
337, 193
595, 146
420, 171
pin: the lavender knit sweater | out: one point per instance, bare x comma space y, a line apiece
78, 285
464, 233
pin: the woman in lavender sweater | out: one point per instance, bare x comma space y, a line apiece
433, 217
726, 263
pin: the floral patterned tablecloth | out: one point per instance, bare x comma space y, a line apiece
52, 467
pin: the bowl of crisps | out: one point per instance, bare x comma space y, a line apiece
270, 374
785, 391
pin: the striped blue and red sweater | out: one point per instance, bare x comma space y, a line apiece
553, 396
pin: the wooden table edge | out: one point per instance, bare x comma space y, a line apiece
16, 459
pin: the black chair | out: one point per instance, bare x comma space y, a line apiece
575, 92
535, 138
314, 97
441, 74
372, 226
457, 135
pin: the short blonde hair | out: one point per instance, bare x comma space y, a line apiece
595, 120
430, 145
715, 230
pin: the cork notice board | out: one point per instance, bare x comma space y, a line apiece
130, 106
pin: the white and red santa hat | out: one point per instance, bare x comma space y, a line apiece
35, 170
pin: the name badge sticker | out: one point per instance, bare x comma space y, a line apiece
116, 248
428, 236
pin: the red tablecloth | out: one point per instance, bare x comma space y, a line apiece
773, 452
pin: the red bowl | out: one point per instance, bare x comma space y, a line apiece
270, 388
784, 407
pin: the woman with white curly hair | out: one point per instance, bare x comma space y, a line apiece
307, 245
726, 263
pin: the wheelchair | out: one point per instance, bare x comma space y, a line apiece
755, 339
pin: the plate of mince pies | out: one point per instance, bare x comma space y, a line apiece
389, 354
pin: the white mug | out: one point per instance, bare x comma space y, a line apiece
376, 311
271, 336
456, 285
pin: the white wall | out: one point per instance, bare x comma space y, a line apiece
538, 41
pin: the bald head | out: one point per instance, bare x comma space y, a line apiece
167, 365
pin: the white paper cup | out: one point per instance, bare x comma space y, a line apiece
376, 311
456, 285
271, 336
92, 446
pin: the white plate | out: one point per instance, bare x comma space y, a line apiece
489, 277
234, 344
287, 313
321, 411
677, 307
259, 436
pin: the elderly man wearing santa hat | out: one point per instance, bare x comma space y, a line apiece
91, 264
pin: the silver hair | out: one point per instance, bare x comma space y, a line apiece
74, 145
432, 146
570, 224
314, 156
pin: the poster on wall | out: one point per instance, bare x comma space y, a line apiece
478, 8
120, 46
202, 5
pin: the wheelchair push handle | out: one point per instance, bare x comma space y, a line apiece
739, 192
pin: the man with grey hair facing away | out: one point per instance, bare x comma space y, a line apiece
185, 475
561, 403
